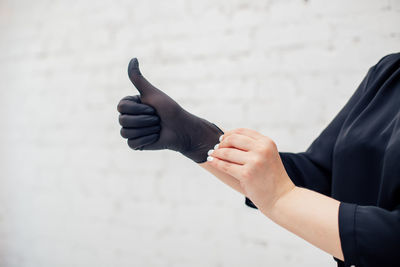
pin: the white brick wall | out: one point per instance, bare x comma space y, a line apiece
73, 194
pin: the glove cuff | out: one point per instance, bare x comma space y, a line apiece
207, 137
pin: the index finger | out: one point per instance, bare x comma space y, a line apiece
238, 141
133, 108
243, 131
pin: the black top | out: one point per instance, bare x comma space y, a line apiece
356, 160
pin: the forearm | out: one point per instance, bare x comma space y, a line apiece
311, 216
225, 178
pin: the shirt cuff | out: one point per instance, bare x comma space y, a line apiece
347, 221
250, 203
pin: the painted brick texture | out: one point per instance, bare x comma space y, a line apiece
71, 191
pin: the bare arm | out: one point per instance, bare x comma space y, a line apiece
311, 216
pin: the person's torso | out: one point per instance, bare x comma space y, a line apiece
366, 156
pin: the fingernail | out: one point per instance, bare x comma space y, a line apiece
210, 152
216, 146
221, 137
209, 158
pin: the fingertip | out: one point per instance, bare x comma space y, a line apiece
131, 133
140, 142
157, 128
134, 98
147, 140
133, 71
149, 110
133, 65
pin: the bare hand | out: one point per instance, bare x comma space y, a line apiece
253, 159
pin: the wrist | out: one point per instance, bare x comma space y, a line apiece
285, 193
204, 138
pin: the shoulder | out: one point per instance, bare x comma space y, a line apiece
387, 69
389, 63
390, 58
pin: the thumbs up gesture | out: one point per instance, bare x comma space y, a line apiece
154, 121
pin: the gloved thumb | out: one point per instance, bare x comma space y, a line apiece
136, 77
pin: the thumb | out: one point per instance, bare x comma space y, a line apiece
136, 77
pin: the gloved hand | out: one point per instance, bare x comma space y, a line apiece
154, 121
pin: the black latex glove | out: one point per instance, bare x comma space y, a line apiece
154, 121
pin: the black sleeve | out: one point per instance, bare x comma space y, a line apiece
370, 236
312, 169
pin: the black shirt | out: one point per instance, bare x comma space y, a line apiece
356, 160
